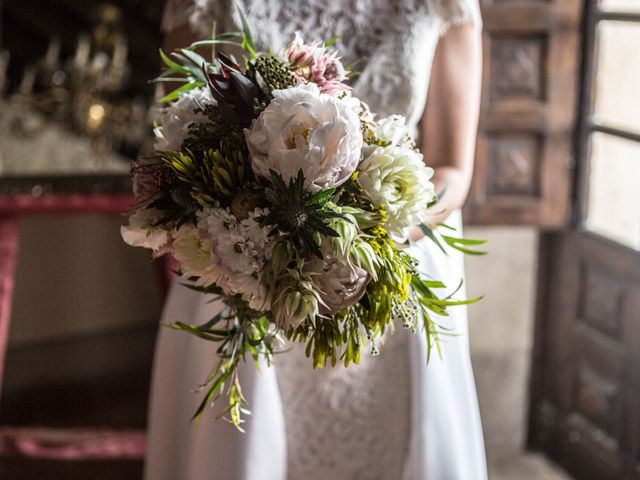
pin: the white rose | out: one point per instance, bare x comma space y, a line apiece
396, 179
173, 122
143, 232
303, 129
392, 129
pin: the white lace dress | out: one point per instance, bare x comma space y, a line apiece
391, 417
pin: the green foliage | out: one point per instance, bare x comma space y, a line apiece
457, 243
247, 38
246, 333
182, 66
429, 304
212, 178
215, 133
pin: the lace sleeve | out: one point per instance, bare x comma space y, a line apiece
456, 12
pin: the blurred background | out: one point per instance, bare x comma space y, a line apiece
555, 342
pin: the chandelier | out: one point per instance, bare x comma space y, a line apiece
86, 92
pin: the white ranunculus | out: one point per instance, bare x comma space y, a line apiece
396, 179
392, 129
303, 129
143, 232
173, 122
197, 258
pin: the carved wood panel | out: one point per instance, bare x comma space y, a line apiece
585, 404
523, 161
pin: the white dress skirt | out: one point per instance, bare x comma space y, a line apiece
390, 417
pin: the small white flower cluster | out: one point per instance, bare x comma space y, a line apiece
219, 249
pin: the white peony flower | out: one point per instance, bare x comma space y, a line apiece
303, 129
173, 122
197, 258
396, 179
143, 232
392, 129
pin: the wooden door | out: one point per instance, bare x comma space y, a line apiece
524, 157
585, 390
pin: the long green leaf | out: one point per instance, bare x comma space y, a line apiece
429, 233
247, 38
458, 244
175, 94
172, 65
208, 43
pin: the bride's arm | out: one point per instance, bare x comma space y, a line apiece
449, 123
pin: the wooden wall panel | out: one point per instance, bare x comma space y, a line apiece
524, 152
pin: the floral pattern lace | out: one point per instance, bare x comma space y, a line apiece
390, 43
347, 423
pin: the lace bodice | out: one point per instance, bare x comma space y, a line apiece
390, 43
348, 423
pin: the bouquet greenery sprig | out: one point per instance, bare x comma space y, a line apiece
280, 194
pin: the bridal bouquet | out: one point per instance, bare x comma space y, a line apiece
280, 193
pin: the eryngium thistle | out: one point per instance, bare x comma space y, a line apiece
298, 214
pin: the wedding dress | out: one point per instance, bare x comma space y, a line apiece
391, 417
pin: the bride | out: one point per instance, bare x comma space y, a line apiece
392, 416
